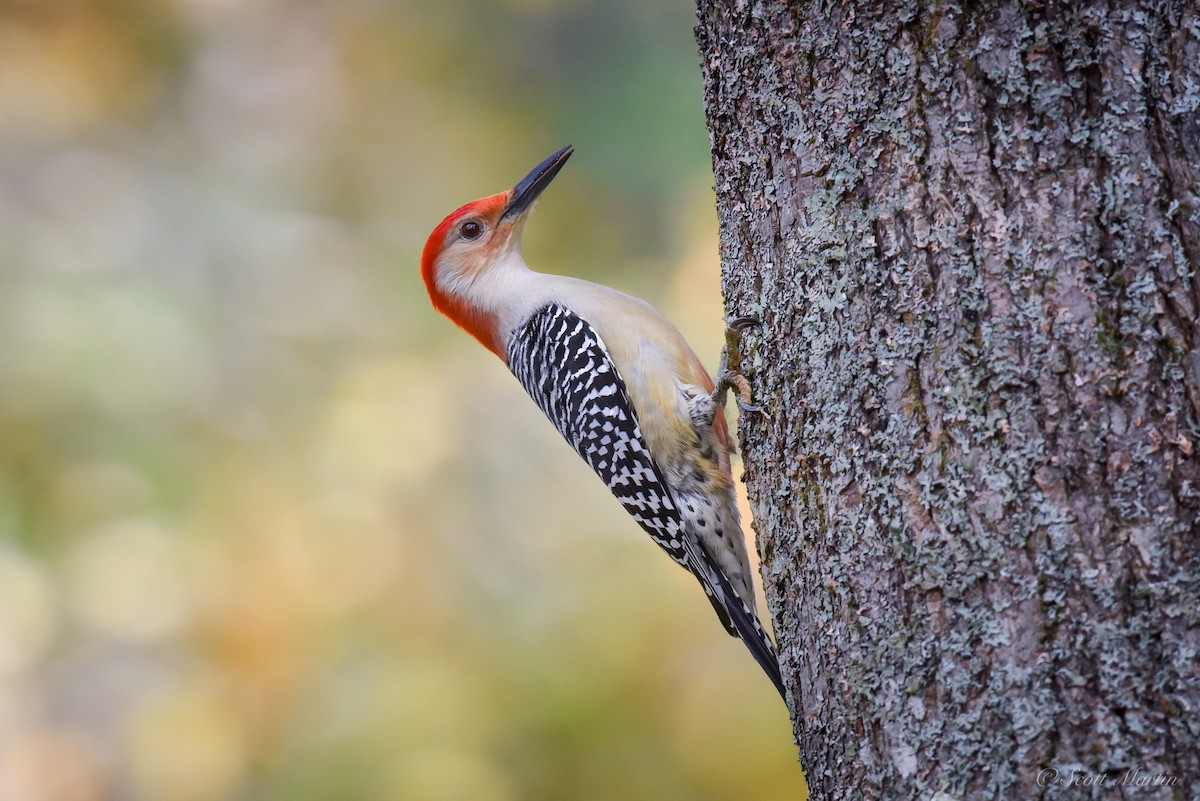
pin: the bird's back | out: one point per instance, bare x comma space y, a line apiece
665, 381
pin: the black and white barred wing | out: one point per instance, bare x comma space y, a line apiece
563, 365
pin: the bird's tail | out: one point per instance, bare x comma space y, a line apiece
739, 620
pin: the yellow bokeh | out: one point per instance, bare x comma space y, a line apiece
269, 526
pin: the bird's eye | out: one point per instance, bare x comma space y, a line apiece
471, 230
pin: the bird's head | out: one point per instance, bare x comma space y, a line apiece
476, 237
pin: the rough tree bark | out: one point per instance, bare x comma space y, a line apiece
971, 232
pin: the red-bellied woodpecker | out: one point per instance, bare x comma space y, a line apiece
620, 383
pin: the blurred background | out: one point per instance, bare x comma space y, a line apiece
270, 528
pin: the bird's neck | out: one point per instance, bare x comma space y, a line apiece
487, 304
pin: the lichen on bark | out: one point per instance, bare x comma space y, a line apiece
971, 232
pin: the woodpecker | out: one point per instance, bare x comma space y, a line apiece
619, 382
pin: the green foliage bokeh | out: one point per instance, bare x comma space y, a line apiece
269, 527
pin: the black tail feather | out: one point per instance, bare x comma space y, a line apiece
740, 621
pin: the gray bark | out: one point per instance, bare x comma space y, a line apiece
971, 233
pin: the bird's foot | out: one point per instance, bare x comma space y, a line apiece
742, 392
729, 375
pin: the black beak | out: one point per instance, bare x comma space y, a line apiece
529, 187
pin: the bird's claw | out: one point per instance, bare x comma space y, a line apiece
729, 376
749, 408
744, 322
744, 395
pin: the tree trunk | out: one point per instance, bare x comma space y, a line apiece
971, 235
